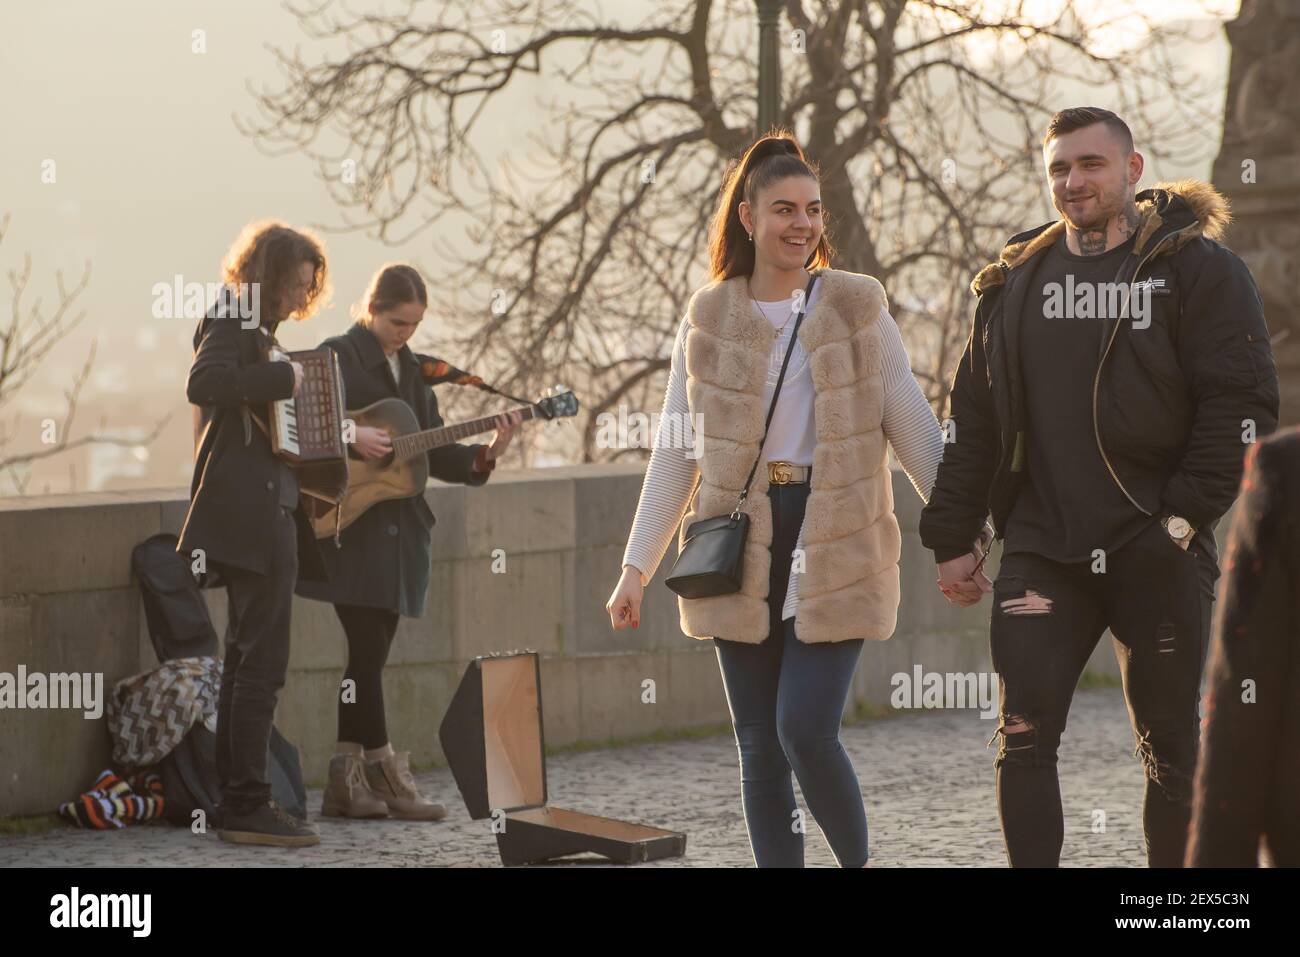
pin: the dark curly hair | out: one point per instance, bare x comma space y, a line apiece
267, 253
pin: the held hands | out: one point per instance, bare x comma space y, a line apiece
506, 425
962, 579
624, 605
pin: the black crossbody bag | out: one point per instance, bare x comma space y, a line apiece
713, 553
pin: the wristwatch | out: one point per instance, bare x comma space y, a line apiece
1179, 529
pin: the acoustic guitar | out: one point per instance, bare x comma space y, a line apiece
405, 472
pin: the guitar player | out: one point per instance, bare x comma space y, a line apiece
380, 571
244, 515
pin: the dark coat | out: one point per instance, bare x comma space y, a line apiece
1169, 398
1248, 778
383, 557
236, 486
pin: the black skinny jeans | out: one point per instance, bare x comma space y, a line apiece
370, 636
1046, 620
257, 659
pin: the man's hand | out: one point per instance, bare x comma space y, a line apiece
962, 579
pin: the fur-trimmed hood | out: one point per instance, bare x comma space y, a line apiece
1184, 209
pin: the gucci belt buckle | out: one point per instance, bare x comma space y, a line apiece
779, 473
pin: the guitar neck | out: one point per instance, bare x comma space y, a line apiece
406, 446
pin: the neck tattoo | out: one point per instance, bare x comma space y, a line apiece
1128, 220
1092, 241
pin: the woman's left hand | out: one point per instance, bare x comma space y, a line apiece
506, 425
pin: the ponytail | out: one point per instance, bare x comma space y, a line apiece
772, 157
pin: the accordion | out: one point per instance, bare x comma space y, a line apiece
306, 430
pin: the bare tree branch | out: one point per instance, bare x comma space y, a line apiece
574, 255
25, 340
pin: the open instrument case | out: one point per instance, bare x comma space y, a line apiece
492, 737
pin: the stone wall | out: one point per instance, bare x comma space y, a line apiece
68, 602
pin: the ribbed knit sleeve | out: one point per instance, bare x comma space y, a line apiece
908, 421
669, 478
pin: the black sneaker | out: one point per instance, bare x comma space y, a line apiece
267, 824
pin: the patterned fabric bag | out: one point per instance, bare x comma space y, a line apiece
150, 713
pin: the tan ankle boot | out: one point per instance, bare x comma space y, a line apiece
391, 780
347, 794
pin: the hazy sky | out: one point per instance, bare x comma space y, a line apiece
153, 180
152, 177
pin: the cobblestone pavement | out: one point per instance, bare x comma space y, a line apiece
927, 782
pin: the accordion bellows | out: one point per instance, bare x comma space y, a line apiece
306, 431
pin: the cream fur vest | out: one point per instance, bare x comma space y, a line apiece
849, 585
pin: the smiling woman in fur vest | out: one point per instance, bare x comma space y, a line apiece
820, 572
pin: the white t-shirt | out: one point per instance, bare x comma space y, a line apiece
792, 436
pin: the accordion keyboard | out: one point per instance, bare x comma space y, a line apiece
308, 426
286, 421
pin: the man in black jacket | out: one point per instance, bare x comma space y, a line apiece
245, 518
1117, 369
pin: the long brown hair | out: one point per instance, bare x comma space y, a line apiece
394, 284
267, 253
773, 157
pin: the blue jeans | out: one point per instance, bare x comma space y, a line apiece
786, 699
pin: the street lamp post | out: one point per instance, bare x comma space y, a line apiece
769, 65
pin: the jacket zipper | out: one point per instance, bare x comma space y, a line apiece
1096, 382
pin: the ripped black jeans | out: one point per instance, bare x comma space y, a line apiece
1046, 620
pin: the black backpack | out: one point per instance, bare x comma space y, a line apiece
179, 627
174, 610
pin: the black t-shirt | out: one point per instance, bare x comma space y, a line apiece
1069, 505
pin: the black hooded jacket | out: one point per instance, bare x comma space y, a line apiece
1175, 404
